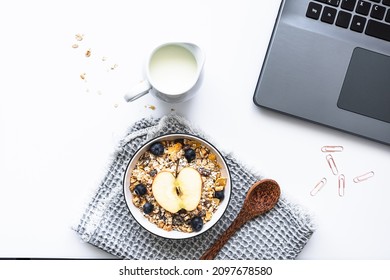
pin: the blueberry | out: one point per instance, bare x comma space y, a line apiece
140, 189
197, 223
219, 194
190, 154
148, 207
157, 149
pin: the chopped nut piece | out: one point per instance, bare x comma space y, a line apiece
173, 151
216, 201
221, 181
136, 200
167, 227
75, 46
88, 53
202, 152
175, 148
212, 157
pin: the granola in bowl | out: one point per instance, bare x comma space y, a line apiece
177, 186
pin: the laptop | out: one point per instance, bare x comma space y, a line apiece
328, 61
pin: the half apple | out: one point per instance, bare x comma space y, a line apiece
174, 194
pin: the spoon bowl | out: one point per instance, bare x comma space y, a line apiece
261, 197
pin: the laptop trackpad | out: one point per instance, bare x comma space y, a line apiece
366, 88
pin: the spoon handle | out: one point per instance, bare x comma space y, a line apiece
217, 246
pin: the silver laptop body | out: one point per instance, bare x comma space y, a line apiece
331, 70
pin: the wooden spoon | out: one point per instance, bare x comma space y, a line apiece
261, 197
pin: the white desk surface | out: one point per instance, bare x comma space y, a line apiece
57, 131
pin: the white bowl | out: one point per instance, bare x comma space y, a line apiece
173, 234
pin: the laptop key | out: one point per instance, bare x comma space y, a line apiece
329, 15
335, 3
363, 7
387, 18
378, 29
343, 19
348, 4
386, 2
358, 23
314, 10
378, 12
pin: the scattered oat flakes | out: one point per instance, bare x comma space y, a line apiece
83, 76
75, 46
88, 53
114, 66
152, 107
79, 37
116, 105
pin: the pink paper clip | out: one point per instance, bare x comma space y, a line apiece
332, 149
341, 184
363, 177
318, 187
332, 164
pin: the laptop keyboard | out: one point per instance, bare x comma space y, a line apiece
371, 17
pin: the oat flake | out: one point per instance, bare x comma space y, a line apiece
79, 37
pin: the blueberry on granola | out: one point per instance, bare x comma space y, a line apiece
140, 189
189, 154
219, 194
148, 207
197, 223
157, 149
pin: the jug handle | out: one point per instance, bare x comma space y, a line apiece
137, 91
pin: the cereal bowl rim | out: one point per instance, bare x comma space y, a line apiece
139, 216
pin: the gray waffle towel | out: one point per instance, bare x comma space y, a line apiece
107, 223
